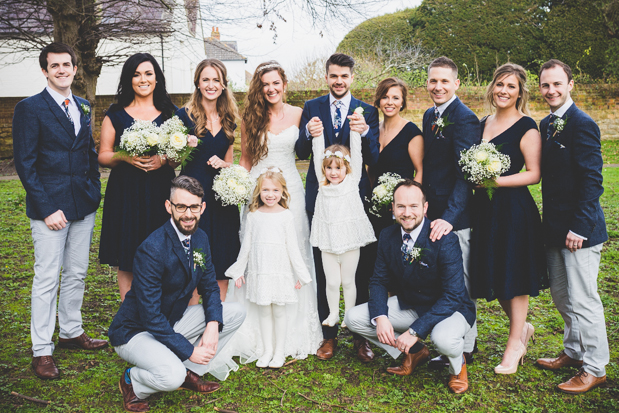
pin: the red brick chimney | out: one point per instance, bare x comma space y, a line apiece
215, 33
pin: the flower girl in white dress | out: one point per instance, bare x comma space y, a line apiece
270, 259
340, 226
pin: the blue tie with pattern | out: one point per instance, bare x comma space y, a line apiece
66, 110
337, 122
551, 126
404, 248
185, 243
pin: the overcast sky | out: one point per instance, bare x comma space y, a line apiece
297, 41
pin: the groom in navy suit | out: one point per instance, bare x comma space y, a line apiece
448, 128
432, 299
574, 228
56, 160
333, 115
169, 342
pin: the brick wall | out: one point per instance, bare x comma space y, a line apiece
599, 101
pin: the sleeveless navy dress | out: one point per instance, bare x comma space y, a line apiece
221, 223
507, 256
134, 203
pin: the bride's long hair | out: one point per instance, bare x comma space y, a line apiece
256, 112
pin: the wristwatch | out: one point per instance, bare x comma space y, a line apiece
413, 332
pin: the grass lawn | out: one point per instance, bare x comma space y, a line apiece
89, 380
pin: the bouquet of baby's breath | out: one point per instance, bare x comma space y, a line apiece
382, 195
173, 140
483, 163
140, 139
233, 185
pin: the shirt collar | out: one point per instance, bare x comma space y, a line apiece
182, 237
414, 233
444, 106
561, 111
345, 100
58, 98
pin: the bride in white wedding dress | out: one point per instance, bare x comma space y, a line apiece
268, 135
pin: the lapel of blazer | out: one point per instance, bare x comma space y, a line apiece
428, 135
59, 113
543, 128
84, 123
327, 122
421, 242
178, 249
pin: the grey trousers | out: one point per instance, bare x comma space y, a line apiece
68, 249
574, 289
157, 368
464, 237
447, 336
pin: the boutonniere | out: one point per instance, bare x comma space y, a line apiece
440, 124
199, 260
411, 254
559, 125
85, 109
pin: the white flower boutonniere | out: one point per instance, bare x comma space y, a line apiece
559, 125
411, 254
199, 260
85, 109
440, 124
358, 110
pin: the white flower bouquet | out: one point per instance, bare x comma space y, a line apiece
174, 140
382, 195
140, 139
482, 164
233, 185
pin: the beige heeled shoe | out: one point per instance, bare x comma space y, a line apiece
500, 369
530, 335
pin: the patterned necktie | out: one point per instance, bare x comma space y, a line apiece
66, 110
185, 243
436, 116
406, 237
551, 126
337, 122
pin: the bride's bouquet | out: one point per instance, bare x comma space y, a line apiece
140, 139
233, 185
482, 164
382, 195
174, 141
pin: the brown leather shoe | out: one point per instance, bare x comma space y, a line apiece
459, 383
45, 368
131, 402
582, 382
327, 349
363, 350
410, 362
556, 363
83, 342
193, 382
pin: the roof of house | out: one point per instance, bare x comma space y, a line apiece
216, 49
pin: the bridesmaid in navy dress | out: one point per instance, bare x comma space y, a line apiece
137, 188
507, 253
401, 142
210, 115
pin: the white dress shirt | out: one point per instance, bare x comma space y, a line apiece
343, 110
74, 110
444, 106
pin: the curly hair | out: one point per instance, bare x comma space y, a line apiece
342, 163
256, 112
226, 104
278, 178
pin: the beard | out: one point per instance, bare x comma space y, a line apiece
192, 230
409, 228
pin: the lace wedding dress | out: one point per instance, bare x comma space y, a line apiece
304, 332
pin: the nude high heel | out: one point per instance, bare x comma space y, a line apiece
530, 334
500, 369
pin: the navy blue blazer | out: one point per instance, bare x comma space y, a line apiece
433, 285
58, 169
370, 148
572, 181
163, 283
447, 192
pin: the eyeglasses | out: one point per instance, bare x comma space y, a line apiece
180, 208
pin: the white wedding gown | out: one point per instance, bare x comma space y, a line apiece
304, 332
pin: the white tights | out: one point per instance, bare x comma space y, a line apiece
339, 270
272, 320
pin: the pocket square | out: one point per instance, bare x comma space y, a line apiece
423, 264
561, 146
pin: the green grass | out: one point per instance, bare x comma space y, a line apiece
89, 379
610, 151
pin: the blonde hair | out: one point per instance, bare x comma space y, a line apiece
501, 73
342, 163
278, 178
256, 112
226, 104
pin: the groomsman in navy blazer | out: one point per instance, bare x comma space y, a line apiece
56, 160
432, 299
574, 228
448, 128
333, 115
